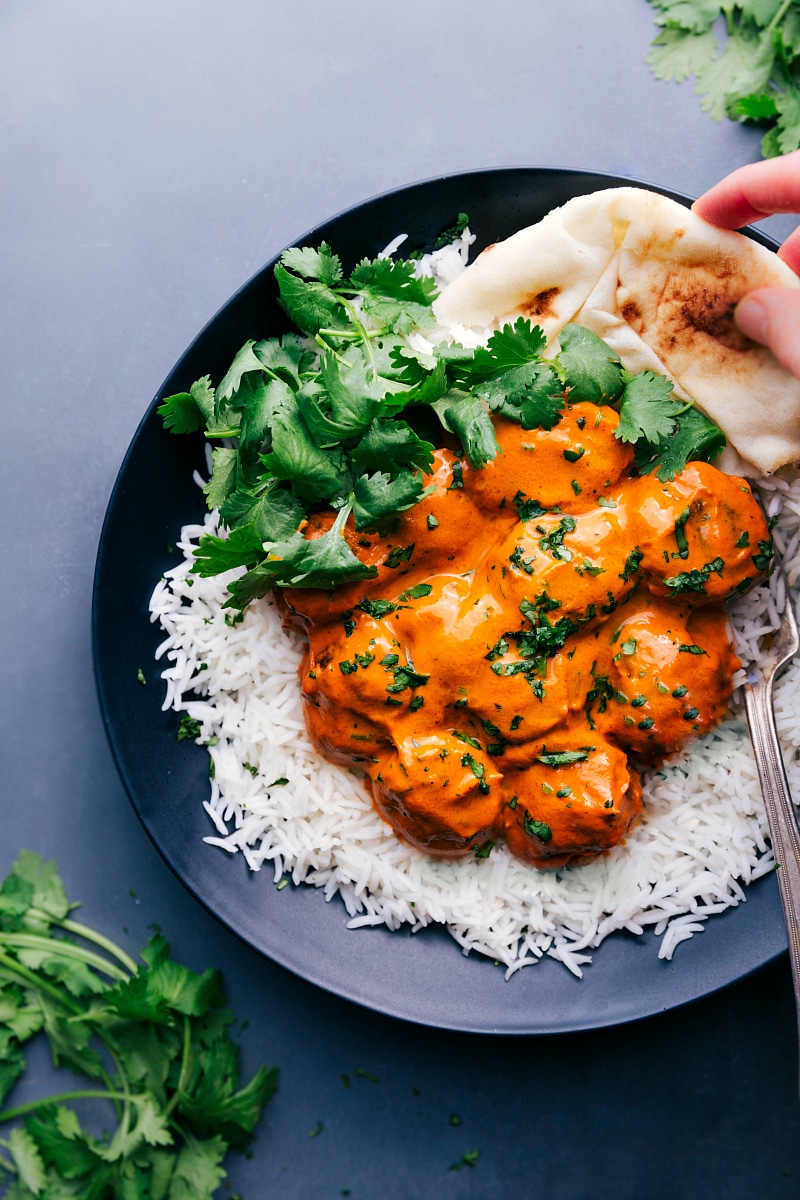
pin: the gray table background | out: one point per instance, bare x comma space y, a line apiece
153, 154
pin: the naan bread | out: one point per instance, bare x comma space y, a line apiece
660, 285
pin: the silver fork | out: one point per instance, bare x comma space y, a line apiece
783, 829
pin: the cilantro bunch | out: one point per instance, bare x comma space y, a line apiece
154, 1039
756, 77
338, 416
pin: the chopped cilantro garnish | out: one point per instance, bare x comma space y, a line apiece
453, 233
431, 521
406, 677
565, 758
691, 649
632, 564
188, 728
763, 560
498, 650
743, 540
465, 737
398, 555
694, 581
554, 540
538, 829
527, 510
680, 534
417, 592
376, 608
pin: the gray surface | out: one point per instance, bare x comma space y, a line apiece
152, 156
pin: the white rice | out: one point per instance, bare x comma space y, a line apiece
702, 835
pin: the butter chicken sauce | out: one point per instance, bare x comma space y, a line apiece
533, 625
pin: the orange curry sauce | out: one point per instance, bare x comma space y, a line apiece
467, 729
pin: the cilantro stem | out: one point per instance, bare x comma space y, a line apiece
4, 1165
34, 941
92, 936
11, 1114
354, 317
187, 1062
779, 15
20, 974
344, 333
340, 357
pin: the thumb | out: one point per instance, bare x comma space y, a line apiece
771, 316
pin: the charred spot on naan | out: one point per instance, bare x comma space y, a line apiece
541, 305
695, 305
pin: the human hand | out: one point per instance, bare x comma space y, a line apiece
770, 316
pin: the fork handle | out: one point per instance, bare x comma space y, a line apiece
780, 816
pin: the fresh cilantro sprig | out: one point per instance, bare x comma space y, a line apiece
330, 419
666, 433
756, 76
154, 1040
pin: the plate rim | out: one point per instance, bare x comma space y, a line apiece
385, 1007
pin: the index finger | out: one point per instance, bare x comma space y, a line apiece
753, 192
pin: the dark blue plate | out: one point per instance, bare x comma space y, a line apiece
422, 977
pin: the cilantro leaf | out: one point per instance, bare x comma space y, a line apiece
463, 414
393, 294
391, 445
314, 474
321, 264
186, 412
311, 305
355, 393
243, 547
593, 370
197, 1173
531, 394
323, 562
378, 498
694, 439
511, 346
787, 129
647, 411
27, 1159
223, 476
48, 890
275, 512
244, 361
261, 402
287, 357
164, 988
678, 53
694, 15
756, 107
744, 66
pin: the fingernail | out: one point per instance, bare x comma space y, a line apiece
751, 317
